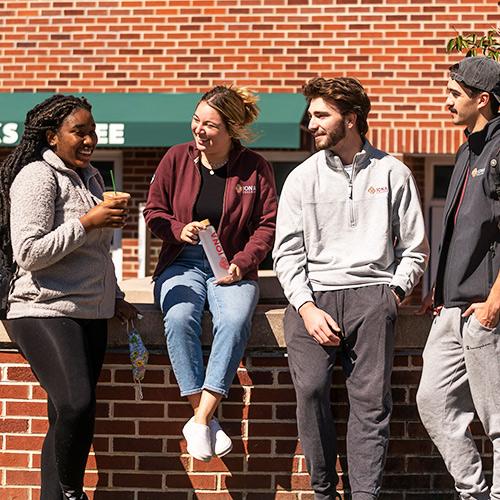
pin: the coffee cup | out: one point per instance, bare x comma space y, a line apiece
116, 198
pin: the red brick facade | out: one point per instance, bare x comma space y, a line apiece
395, 47
138, 453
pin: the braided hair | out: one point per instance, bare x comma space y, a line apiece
48, 115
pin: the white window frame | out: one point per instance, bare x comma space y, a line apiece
116, 156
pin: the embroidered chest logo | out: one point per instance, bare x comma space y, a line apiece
246, 189
477, 171
378, 190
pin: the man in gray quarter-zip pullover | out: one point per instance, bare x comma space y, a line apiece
461, 372
350, 245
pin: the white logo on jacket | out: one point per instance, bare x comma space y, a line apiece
249, 189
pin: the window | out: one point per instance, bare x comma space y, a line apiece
441, 181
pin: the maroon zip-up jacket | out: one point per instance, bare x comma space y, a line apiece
248, 220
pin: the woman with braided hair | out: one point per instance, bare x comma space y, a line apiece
64, 288
213, 177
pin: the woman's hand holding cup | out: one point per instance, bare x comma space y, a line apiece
112, 212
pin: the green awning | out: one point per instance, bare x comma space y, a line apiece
159, 120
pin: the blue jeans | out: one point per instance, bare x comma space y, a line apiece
181, 291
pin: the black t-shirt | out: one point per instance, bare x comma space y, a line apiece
211, 197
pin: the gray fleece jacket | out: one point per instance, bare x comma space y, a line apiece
333, 232
62, 270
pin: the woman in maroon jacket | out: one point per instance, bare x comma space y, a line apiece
212, 177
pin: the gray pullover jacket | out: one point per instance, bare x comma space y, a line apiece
333, 232
62, 270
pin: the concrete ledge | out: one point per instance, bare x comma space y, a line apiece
140, 290
267, 328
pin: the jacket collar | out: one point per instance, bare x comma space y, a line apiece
55, 162
477, 140
361, 158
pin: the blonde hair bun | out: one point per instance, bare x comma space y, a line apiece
237, 107
250, 102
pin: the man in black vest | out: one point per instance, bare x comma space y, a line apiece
461, 374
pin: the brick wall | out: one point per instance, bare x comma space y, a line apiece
139, 455
396, 48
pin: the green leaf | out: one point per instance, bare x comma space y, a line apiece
451, 46
487, 44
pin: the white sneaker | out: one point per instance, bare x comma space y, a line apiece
221, 441
199, 444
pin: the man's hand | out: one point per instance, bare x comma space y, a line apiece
427, 305
320, 325
396, 296
487, 314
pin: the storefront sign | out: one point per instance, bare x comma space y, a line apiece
8, 133
137, 120
110, 133
107, 133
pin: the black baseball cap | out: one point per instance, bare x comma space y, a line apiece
482, 73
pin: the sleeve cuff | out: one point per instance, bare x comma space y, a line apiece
395, 283
81, 234
299, 299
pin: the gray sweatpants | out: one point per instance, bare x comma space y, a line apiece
366, 315
461, 375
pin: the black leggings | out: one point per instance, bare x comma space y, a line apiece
66, 356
